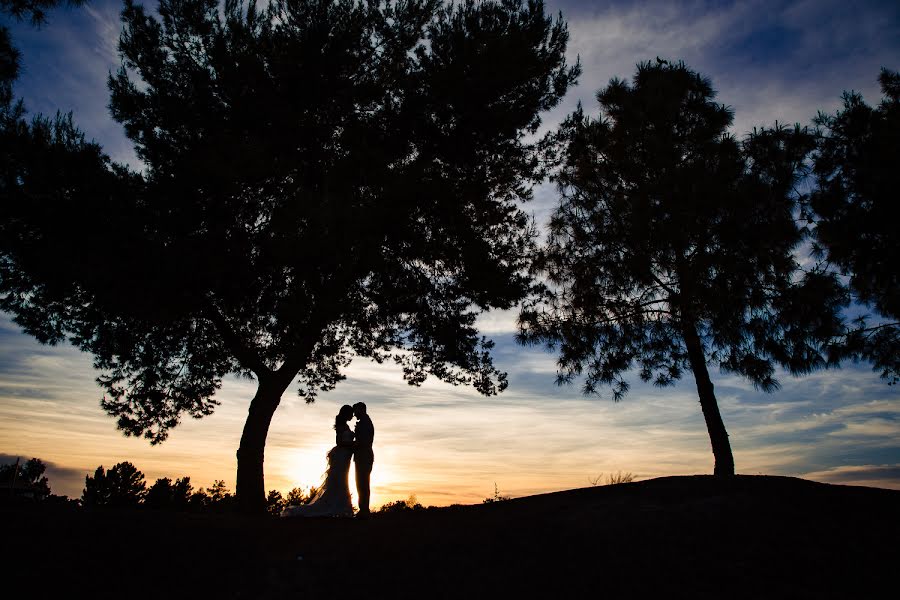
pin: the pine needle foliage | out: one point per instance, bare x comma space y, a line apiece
674, 246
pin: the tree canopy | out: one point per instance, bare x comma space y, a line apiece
673, 247
28, 475
166, 494
323, 179
34, 10
123, 485
856, 210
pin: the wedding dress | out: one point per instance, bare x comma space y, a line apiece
333, 497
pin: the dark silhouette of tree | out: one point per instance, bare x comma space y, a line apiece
160, 495
9, 70
218, 492
199, 500
33, 10
122, 486
411, 504
275, 503
856, 211
181, 493
324, 179
297, 496
219, 498
673, 248
96, 489
166, 494
169, 495
216, 498
28, 475
49, 175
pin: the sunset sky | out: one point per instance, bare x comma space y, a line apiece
768, 60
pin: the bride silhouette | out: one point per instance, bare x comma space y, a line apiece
333, 497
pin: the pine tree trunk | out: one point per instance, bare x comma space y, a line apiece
250, 490
718, 437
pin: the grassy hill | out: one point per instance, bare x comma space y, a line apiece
753, 537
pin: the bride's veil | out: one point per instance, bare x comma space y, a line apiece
323, 480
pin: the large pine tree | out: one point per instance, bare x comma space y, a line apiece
856, 206
673, 247
324, 179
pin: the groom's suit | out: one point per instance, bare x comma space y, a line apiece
363, 459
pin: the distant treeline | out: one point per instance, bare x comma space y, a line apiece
124, 486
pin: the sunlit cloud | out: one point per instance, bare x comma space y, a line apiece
885, 476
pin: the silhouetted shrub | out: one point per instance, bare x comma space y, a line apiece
63, 501
612, 478
297, 496
496, 497
410, 504
218, 497
198, 501
275, 503
619, 477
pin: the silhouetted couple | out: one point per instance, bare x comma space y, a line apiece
333, 497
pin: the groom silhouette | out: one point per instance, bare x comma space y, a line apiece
363, 457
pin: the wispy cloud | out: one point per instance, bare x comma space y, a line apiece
768, 60
887, 476
65, 66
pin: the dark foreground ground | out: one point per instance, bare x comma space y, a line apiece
754, 537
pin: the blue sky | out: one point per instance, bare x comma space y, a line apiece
768, 60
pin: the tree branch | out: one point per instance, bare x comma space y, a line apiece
244, 354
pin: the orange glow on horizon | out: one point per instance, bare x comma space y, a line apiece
444, 444
301, 464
